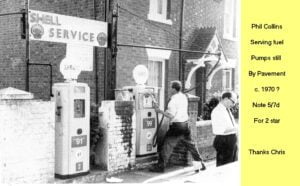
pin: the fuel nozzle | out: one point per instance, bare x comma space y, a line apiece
154, 101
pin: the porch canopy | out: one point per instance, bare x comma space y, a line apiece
205, 39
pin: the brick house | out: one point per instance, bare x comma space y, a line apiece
212, 26
153, 23
143, 27
140, 24
208, 26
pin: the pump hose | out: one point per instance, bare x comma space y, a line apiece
154, 140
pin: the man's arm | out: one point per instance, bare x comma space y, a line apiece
230, 130
165, 113
218, 123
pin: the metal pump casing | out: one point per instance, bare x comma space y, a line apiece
72, 128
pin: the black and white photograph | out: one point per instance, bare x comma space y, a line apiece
120, 91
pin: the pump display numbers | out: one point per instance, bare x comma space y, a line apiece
148, 123
79, 141
147, 101
79, 108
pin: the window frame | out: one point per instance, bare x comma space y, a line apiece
155, 16
230, 20
162, 56
227, 79
162, 82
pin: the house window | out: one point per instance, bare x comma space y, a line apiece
159, 10
157, 78
156, 66
227, 79
230, 13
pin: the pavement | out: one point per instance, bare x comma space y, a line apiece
227, 175
213, 176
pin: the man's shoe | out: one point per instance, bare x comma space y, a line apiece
157, 168
197, 165
203, 166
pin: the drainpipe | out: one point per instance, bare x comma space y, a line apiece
27, 49
181, 67
95, 51
106, 12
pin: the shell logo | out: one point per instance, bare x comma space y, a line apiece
37, 31
102, 38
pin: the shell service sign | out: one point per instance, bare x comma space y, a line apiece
44, 26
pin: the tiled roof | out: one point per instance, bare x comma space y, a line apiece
200, 40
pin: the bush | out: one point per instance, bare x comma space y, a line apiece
211, 104
235, 110
208, 107
95, 131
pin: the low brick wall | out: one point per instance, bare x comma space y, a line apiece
116, 148
27, 141
205, 140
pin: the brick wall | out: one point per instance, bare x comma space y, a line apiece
205, 140
141, 31
216, 85
203, 13
116, 148
27, 141
12, 48
12, 51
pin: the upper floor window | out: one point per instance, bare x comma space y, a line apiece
159, 10
230, 13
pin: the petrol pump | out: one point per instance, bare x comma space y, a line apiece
72, 126
146, 120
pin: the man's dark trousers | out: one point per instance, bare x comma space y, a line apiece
226, 147
178, 132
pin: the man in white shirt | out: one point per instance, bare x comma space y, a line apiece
225, 129
177, 112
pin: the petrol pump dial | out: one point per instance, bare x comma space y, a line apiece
147, 101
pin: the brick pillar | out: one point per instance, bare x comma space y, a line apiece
193, 113
115, 150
